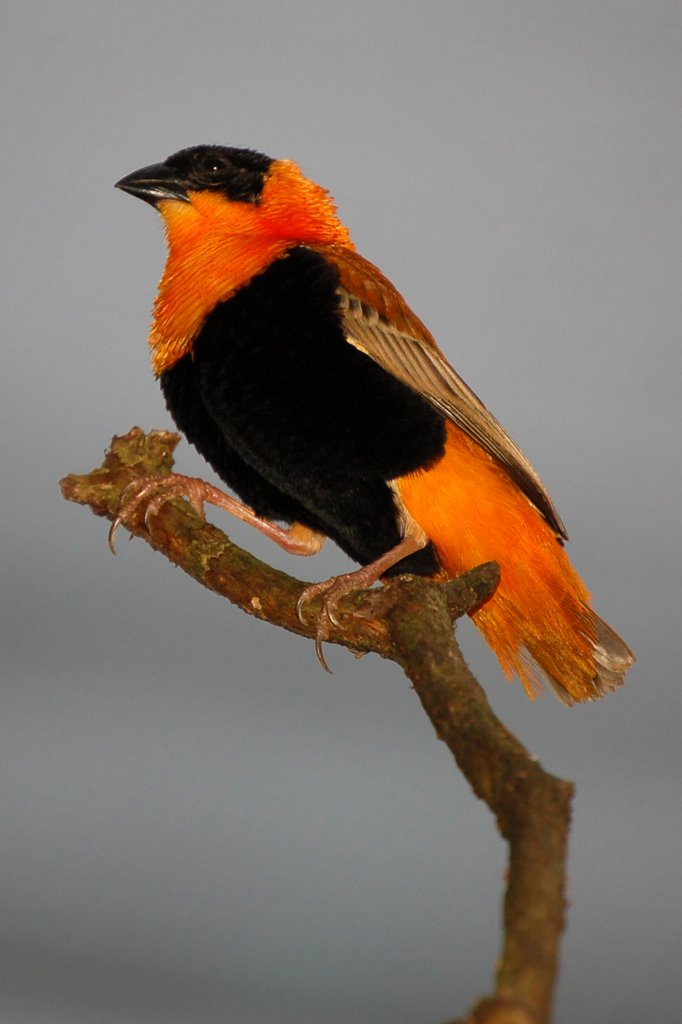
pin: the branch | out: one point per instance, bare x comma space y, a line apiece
409, 621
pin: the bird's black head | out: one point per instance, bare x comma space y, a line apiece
238, 173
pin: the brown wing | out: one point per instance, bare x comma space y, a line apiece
379, 323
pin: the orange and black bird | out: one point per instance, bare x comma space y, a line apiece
302, 376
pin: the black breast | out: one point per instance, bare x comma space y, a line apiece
298, 422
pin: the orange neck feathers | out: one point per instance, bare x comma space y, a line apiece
215, 246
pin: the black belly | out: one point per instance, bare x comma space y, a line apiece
301, 425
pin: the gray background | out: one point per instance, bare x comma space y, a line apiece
197, 824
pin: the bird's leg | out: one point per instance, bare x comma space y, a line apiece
154, 491
338, 586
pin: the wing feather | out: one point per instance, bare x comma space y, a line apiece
378, 322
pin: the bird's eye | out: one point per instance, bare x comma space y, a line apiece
210, 166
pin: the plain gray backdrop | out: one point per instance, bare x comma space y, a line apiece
196, 823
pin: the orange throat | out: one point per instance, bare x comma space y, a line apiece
216, 246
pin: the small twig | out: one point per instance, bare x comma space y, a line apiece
409, 620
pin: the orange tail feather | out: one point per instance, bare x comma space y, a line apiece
538, 622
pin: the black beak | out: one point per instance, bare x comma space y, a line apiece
155, 183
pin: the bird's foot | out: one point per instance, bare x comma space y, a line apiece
154, 491
335, 589
332, 592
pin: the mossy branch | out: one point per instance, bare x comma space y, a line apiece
409, 621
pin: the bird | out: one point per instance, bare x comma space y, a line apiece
304, 379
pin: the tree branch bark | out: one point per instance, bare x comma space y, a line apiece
409, 621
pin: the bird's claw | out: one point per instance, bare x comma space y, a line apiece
130, 499
332, 592
325, 617
319, 651
159, 490
111, 536
329, 602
